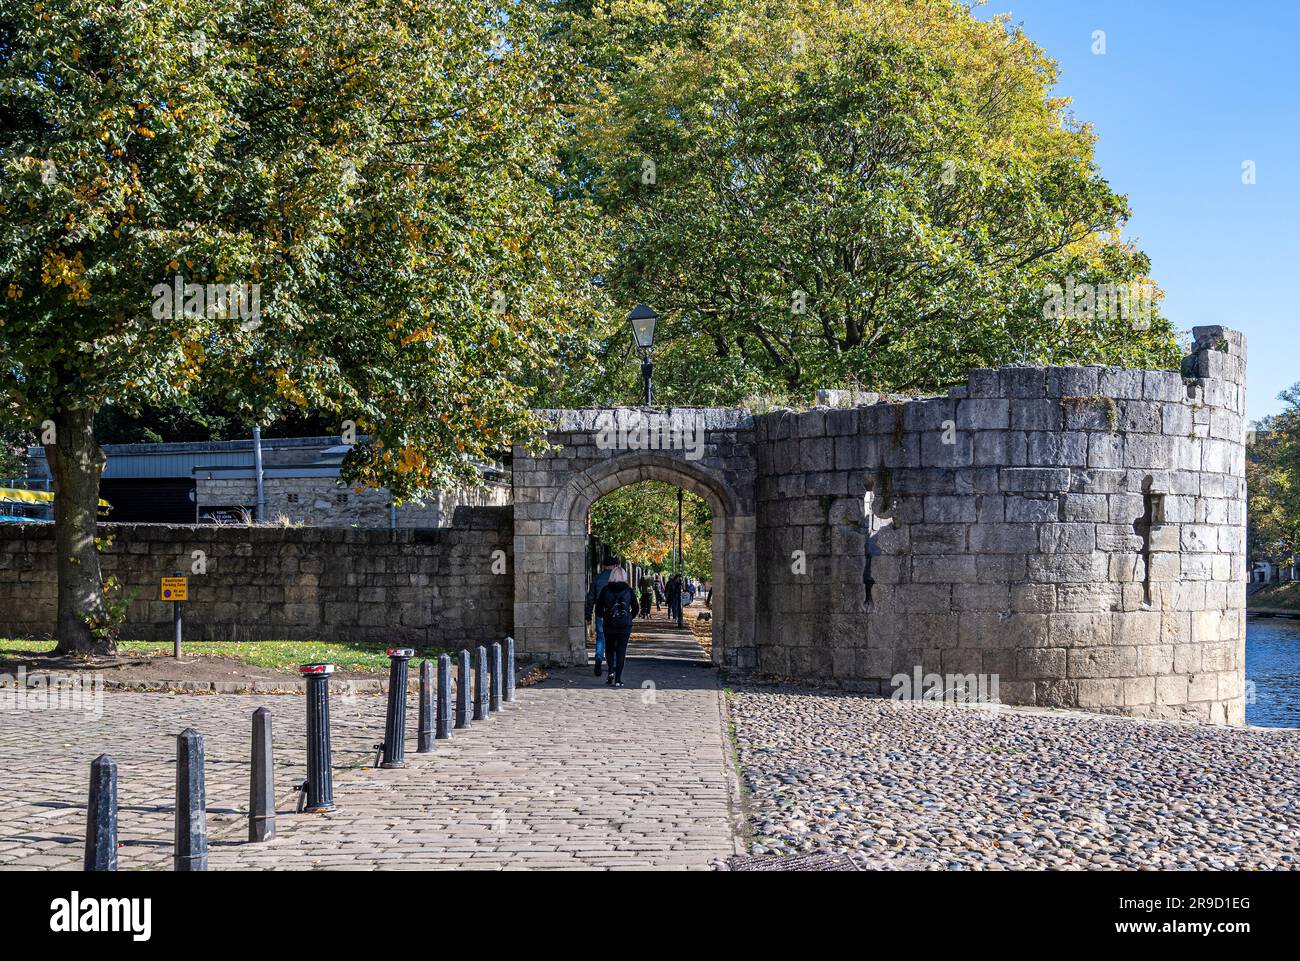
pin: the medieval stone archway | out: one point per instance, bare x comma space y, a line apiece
555, 490
1010, 552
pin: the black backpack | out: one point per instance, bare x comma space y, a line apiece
620, 614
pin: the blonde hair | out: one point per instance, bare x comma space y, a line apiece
618, 576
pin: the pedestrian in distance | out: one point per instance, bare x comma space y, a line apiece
675, 597
647, 590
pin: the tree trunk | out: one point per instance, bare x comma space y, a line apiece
75, 463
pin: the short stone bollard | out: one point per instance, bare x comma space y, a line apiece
319, 787
494, 678
444, 696
462, 689
261, 791
480, 684
508, 677
191, 851
394, 746
101, 816
424, 731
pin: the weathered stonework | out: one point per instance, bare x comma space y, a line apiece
1077, 532
554, 491
270, 583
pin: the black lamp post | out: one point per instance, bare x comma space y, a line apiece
681, 561
643, 320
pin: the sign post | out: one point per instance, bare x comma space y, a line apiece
176, 590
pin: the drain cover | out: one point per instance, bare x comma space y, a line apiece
793, 862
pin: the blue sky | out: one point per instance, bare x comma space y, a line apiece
1184, 94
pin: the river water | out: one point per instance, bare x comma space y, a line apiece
1273, 664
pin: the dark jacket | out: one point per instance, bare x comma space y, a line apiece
597, 583
610, 595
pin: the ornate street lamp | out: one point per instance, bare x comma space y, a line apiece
643, 320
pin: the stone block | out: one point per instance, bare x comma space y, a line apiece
1004, 538
1067, 539
983, 414
1036, 415
1034, 479
948, 510
1031, 508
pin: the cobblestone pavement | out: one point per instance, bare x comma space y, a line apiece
956, 788
572, 774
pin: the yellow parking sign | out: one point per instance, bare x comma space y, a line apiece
175, 589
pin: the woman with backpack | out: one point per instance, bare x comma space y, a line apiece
616, 605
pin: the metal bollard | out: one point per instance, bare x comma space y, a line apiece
261, 791
319, 786
101, 816
494, 678
444, 696
462, 689
508, 678
191, 852
480, 684
424, 735
395, 722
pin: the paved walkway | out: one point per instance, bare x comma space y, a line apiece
573, 774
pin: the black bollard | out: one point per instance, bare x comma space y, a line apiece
480, 684
444, 696
320, 779
494, 678
508, 678
395, 722
261, 790
462, 689
191, 852
424, 737
101, 816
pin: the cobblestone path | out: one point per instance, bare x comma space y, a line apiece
573, 774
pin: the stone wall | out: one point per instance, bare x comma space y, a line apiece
1077, 532
708, 451
433, 587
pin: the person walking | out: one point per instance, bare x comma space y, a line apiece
608, 565
675, 597
647, 589
659, 590
616, 606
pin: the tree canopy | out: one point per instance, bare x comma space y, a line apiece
347, 209
813, 193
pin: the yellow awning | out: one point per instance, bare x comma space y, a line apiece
14, 495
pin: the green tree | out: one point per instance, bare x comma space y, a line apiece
814, 193
639, 522
374, 184
1273, 484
